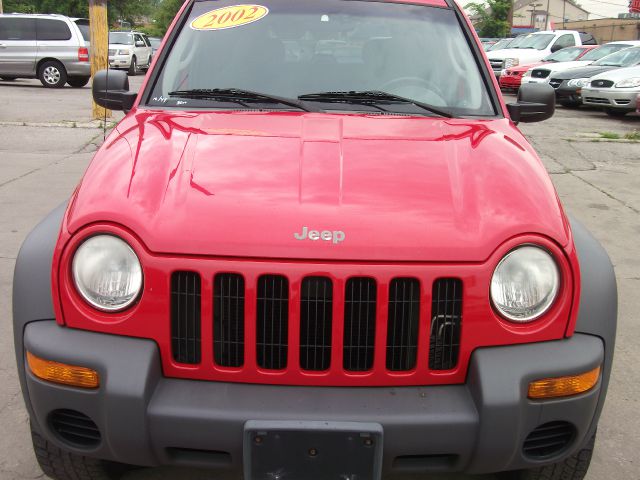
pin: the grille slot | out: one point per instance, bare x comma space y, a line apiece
402, 327
228, 320
601, 101
75, 428
186, 317
548, 440
542, 73
316, 312
602, 83
272, 322
446, 323
359, 324
555, 82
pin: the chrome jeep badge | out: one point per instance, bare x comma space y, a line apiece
336, 236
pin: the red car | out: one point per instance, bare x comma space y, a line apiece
317, 247
512, 78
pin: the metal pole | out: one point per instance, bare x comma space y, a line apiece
547, 26
99, 28
564, 12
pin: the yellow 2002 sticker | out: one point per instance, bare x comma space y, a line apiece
230, 17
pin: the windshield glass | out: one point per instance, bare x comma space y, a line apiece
120, 38
537, 42
565, 55
603, 51
291, 49
624, 58
501, 44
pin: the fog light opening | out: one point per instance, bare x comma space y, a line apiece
63, 374
564, 386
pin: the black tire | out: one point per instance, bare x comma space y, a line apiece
570, 104
133, 68
59, 464
573, 468
52, 74
78, 82
612, 112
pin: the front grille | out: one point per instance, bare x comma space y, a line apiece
602, 83
272, 322
540, 73
359, 324
548, 440
316, 313
496, 64
403, 323
446, 323
555, 82
185, 317
228, 320
75, 428
284, 327
112, 52
599, 101
623, 102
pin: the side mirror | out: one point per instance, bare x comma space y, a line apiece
140, 44
111, 90
536, 103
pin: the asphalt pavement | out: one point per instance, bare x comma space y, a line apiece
47, 140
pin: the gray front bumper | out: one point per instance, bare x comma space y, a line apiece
147, 419
624, 99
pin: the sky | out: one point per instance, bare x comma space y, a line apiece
604, 8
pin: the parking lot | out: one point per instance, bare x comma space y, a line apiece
47, 140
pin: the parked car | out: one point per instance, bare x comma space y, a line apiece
536, 46
155, 44
569, 83
544, 74
129, 51
48, 47
616, 90
314, 269
512, 78
487, 43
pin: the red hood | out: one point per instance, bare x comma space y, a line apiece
524, 68
242, 184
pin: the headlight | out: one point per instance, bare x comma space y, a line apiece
107, 273
511, 62
629, 83
123, 52
578, 82
525, 284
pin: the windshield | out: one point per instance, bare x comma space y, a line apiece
120, 38
290, 49
603, 51
537, 42
565, 55
501, 44
624, 58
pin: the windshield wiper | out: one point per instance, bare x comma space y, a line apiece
239, 96
371, 97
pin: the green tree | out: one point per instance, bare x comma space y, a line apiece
491, 19
165, 14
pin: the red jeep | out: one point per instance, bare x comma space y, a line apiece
316, 247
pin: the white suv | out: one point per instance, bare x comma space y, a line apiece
537, 46
129, 51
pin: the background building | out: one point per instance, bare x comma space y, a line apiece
607, 29
531, 15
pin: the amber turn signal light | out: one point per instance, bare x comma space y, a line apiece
61, 373
564, 386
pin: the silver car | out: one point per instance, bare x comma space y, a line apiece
617, 91
51, 48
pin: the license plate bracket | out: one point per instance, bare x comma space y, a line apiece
309, 450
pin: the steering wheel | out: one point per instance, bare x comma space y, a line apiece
392, 86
